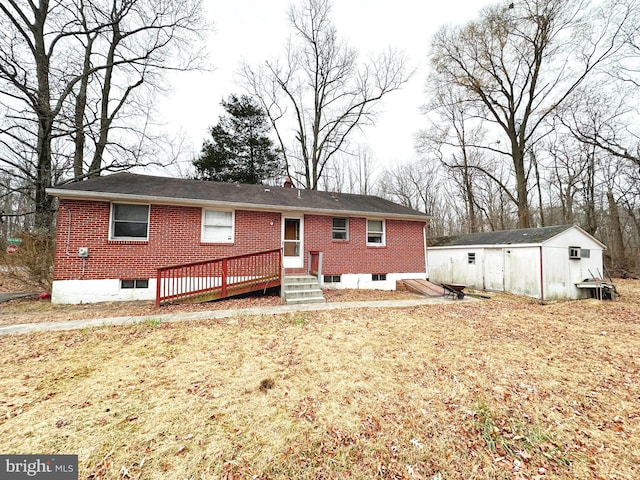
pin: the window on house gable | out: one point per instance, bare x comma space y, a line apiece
217, 226
574, 253
129, 221
340, 229
375, 232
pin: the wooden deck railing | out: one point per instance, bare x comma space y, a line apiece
224, 277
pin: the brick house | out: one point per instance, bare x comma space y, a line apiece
115, 232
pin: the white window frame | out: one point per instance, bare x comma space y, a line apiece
383, 234
345, 231
204, 225
112, 222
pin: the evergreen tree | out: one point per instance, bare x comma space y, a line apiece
239, 149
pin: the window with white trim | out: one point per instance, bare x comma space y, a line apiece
217, 226
471, 258
340, 228
574, 253
129, 221
375, 232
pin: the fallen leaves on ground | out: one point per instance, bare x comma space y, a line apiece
500, 388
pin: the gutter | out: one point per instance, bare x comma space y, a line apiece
110, 197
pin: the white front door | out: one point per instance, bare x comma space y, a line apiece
292, 237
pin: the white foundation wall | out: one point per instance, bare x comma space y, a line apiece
363, 281
93, 291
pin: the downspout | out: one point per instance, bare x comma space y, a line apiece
426, 256
541, 279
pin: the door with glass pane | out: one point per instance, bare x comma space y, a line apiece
292, 243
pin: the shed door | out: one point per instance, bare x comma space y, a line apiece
494, 269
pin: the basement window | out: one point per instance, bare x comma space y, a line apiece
332, 279
574, 253
471, 258
139, 283
378, 277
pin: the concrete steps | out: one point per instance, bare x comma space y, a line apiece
298, 289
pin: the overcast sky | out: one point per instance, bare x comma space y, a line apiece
256, 30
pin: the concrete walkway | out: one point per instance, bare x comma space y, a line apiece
216, 314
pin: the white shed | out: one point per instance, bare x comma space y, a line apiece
544, 263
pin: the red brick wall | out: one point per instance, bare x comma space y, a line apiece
403, 251
174, 238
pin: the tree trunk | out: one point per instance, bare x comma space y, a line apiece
524, 220
618, 258
43, 203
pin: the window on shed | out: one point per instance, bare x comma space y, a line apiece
585, 253
340, 228
217, 226
471, 258
375, 232
574, 253
129, 221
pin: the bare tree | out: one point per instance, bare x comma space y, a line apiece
67, 72
519, 63
351, 172
321, 90
453, 136
417, 184
570, 173
607, 121
627, 65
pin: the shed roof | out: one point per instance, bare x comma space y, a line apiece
504, 237
152, 189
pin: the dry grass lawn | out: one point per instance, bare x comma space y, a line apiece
502, 388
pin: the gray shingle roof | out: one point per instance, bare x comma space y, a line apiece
503, 237
133, 187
